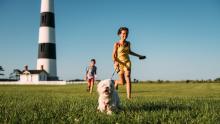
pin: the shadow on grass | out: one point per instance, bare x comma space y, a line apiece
141, 91
156, 107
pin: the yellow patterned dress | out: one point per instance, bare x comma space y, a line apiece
123, 57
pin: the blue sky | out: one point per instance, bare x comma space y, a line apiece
180, 38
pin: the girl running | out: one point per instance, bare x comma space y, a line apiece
122, 63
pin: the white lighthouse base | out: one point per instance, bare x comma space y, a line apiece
49, 65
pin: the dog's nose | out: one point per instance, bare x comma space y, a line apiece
106, 89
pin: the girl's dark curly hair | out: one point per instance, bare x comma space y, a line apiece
123, 28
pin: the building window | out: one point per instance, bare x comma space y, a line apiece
47, 19
43, 19
42, 47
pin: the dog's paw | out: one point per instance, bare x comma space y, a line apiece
109, 112
97, 110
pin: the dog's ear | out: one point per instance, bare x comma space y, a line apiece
98, 86
99, 82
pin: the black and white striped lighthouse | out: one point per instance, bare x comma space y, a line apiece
47, 40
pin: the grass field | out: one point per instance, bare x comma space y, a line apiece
150, 103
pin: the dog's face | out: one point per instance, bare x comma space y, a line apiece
105, 87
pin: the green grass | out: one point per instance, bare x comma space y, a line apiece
150, 103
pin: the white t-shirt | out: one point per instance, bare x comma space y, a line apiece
91, 71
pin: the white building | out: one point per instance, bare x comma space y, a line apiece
33, 75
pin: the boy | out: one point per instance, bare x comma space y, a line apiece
91, 74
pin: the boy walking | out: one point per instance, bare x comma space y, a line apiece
91, 72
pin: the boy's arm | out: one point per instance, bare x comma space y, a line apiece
86, 73
95, 72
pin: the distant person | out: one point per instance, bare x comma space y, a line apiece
91, 72
122, 63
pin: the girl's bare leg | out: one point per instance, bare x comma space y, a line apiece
120, 81
128, 83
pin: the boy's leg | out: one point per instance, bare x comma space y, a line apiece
88, 84
91, 86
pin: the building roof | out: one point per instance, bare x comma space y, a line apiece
17, 71
34, 71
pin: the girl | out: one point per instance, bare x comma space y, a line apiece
122, 63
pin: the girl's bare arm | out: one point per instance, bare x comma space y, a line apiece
114, 53
135, 54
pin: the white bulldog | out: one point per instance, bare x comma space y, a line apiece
108, 96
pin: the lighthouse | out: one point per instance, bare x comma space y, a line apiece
47, 40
